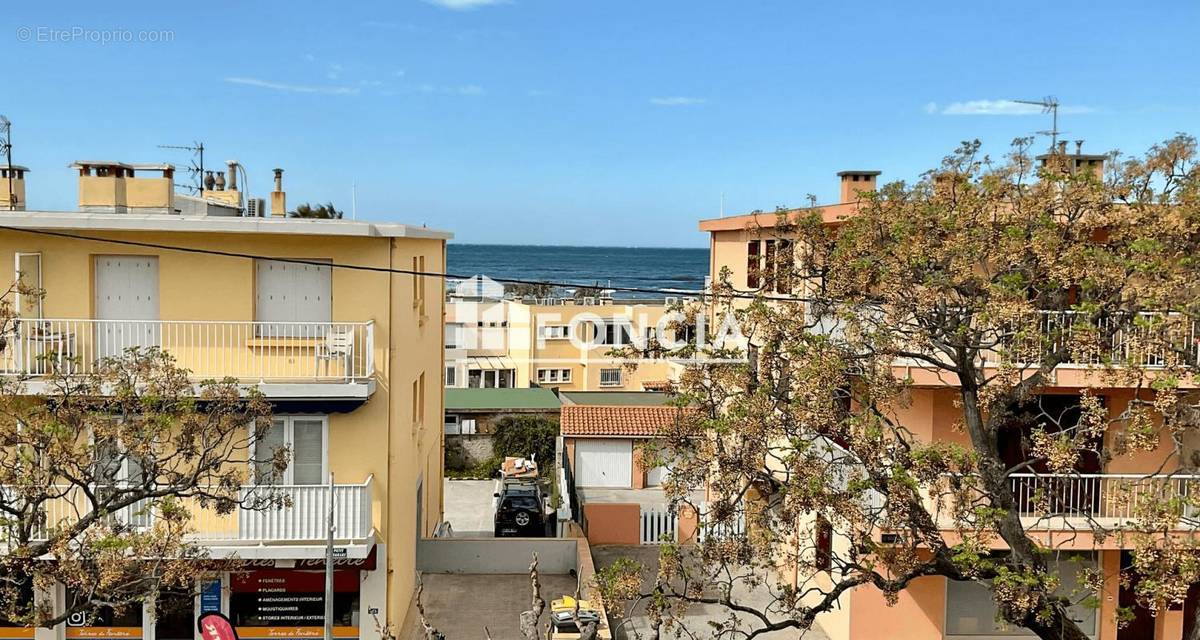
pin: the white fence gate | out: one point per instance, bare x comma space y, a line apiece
730, 529
658, 525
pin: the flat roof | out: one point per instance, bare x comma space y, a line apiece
533, 398
617, 398
79, 221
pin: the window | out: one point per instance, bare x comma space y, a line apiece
451, 425
971, 612
490, 379
614, 333
29, 273
555, 332
288, 293
553, 375
753, 264
450, 376
768, 279
454, 332
418, 402
418, 283
306, 438
610, 377
785, 265
823, 544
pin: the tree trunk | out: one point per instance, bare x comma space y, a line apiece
1024, 553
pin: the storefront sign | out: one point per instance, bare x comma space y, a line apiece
290, 603
104, 632
210, 596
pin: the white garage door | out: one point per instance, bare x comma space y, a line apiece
603, 463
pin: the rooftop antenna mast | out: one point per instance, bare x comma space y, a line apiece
1049, 104
197, 149
6, 147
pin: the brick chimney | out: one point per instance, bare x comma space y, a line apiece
855, 181
278, 197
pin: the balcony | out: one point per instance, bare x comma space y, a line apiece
1088, 501
301, 518
252, 352
1108, 500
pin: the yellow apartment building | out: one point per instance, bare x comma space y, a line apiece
350, 359
554, 343
934, 608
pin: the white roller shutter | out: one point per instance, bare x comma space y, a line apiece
603, 462
126, 290
291, 292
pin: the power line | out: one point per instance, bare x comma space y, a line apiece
360, 267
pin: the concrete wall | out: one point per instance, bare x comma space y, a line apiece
489, 555
464, 451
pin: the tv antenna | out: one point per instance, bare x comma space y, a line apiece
197, 149
6, 148
1049, 104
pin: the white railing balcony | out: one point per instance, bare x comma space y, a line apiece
248, 351
1109, 499
1148, 340
299, 514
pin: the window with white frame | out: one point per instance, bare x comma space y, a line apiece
613, 333
451, 374
452, 424
610, 377
491, 378
553, 375
306, 437
555, 332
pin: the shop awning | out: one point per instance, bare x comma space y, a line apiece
490, 363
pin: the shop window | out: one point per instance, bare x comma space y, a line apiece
971, 611
102, 622
290, 603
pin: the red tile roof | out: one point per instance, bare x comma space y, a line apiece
592, 420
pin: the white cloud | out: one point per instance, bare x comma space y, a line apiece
470, 90
998, 108
462, 90
677, 101
293, 88
334, 71
465, 5
310, 57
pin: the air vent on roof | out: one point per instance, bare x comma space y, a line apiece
256, 207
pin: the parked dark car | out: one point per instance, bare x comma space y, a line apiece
520, 511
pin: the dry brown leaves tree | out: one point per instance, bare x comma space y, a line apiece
986, 277
103, 473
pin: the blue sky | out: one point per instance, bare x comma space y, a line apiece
578, 122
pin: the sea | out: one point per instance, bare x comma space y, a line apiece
668, 270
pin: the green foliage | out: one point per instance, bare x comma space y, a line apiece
527, 436
321, 211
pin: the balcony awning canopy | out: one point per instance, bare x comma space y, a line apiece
490, 363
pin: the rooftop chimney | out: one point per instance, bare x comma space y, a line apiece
278, 197
233, 167
1073, 162
106, 186
15, 175
854, 182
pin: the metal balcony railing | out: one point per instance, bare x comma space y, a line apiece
248, 351
300, 515
1109, 497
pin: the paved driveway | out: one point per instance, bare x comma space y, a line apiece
696, 619
470, 507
